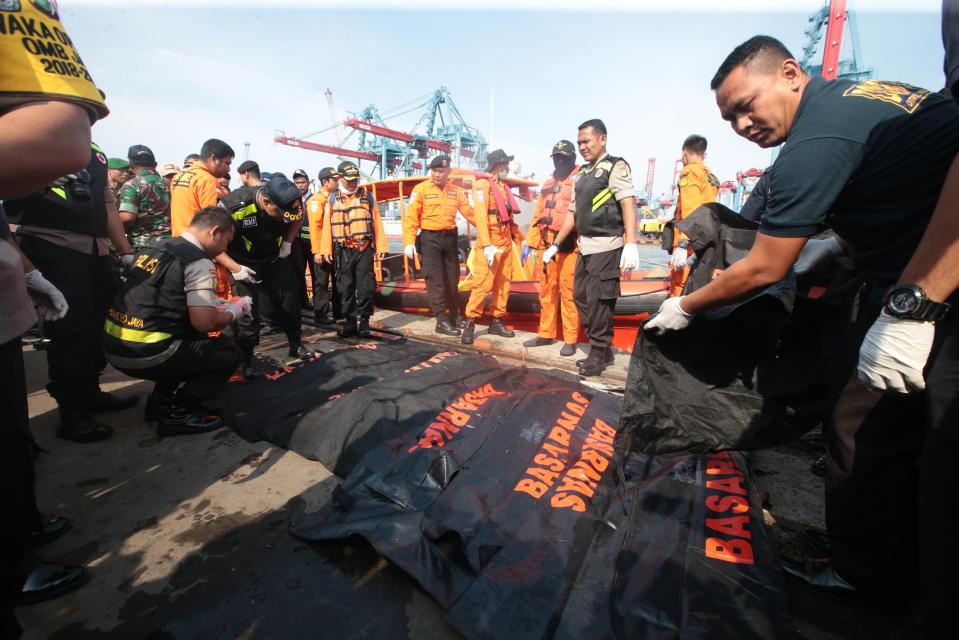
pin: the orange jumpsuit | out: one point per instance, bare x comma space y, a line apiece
493, 279
434, 209
697, 186
556, 281
191, 190
316, 215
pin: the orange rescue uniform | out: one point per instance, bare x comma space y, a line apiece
556, 281
490, 231
353, 223
434, 209
316, 217
697, 186
191, 190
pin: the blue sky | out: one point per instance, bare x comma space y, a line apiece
177, 73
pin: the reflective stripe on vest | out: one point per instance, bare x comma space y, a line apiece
601, 198
134, 335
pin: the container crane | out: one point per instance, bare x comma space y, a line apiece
835, 18
400, 153
650, 174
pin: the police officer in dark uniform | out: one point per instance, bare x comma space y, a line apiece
267, 219
66, 231
604, 217
866, 159
157, 328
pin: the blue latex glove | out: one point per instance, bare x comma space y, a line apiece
525, 254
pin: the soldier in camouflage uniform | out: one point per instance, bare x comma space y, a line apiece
144, 201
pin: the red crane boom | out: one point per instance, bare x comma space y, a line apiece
325, 148
393, 134
831, 49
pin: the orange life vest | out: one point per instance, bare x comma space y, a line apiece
351, 217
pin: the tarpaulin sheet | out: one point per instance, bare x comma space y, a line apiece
512, 507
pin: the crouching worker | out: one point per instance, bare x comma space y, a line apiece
157, 327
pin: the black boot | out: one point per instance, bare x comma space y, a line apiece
538, 341
298, 351
77, 425
497, 328
250, 372
444, 327
49, 580
364, 328
595, 363
156, 404
103, 402
609, 356
349, 328
457, 320
468, 331
184, 417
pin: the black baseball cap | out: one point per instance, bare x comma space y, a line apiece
300, 173
284, 194
248, 165
440, 162
141, 156
497, 157
326, 173
348, 170
563, 148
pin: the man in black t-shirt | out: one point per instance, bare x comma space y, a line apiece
867, 160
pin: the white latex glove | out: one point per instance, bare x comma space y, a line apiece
670, 317
490, 252
629, 260
285, 249
815, 252
550, 253
58, 307
680, 258
242, 306
245, 273
410, 251
126, 260
894, 354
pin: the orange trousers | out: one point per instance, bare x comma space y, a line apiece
493, 280
556, 299
678, 277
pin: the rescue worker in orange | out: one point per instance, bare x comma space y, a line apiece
494, 207
556, 280
198, 186
432, 213
326, 303
697, 186
352, 233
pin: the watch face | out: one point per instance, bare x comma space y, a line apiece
903, 301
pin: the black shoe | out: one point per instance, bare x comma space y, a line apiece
267, 329
458, 321
468, 331
609, 357
49, 580
444, 328
364, 328
497, 328
79, 427
538, 341
50, 530
820, 541
820, 577
178, 421
568, 349
592, 368
348, 329
297, 350
155, 405
104, 402
324, 320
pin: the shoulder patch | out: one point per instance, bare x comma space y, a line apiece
683, 180
905, 96
605, 164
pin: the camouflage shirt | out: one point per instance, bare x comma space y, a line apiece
146, 196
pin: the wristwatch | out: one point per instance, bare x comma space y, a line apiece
909, 302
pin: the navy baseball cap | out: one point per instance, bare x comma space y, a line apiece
284, 194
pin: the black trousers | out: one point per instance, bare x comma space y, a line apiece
595, 290
302, 258
355, 281
442, 269
203, 366
74, 358
277, 286
16, 478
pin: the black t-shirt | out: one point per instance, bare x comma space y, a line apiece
868, 160
258, 236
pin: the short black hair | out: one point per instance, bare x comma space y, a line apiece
596, 124
217, 148
253, 171
193, 157
769, 50
695, 143
209, 217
